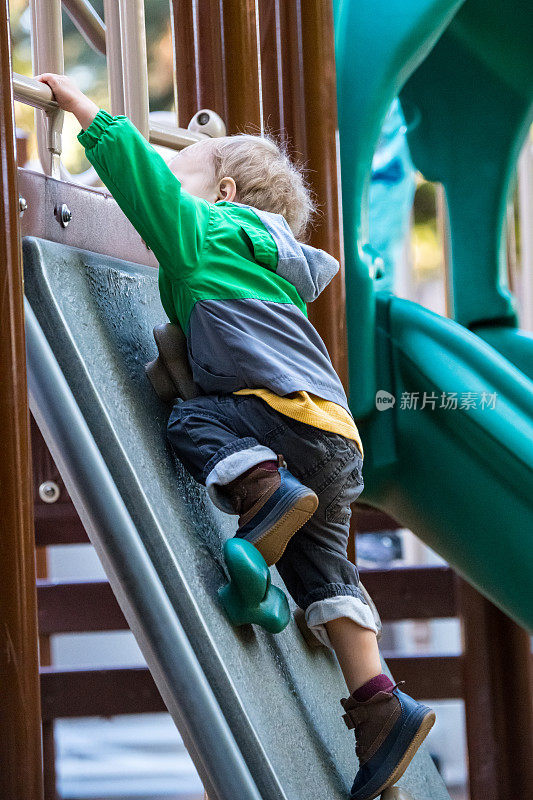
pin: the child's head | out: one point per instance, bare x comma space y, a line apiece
246, 169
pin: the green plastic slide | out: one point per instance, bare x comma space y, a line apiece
451, 457
446, 415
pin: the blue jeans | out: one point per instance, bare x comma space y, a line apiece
218, 437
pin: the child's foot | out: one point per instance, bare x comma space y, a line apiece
272, 505
389, 728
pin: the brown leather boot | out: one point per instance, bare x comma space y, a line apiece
272, 505
389, 728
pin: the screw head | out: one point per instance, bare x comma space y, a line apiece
207, 122
23, 205
65, 215
49, 492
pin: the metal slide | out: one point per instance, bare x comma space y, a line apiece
259, 713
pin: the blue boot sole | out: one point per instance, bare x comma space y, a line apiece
416, 727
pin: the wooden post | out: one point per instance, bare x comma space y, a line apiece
497, 685
42, 467
20, 722
299, 96
217, 61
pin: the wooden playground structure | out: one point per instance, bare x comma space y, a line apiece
256, 63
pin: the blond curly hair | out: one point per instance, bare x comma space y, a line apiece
265, 177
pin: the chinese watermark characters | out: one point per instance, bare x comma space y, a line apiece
449, 401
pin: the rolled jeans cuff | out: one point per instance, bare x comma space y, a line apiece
230, 467
330, 608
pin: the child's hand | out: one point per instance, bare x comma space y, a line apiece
70, 98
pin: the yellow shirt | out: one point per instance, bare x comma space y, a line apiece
312, 410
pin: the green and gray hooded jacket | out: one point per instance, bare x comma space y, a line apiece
233, 276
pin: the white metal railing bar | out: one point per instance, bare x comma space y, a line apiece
87, 22
134, 63
115, 78
178, 138
34, 93
47, 56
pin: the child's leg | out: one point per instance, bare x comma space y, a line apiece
356, 649
389, 725
206, 435
220, 439
315, 567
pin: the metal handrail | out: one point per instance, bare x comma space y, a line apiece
115, 78
173, 137
134, 62
34, 93
39, 95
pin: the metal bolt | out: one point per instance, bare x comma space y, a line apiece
64, 215
208, 123
49, 492
23, 205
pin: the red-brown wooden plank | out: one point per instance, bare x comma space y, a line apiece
122, 690
98, 692
419, 592
58, 523
498, 689
428, 677
400, 593
79, 606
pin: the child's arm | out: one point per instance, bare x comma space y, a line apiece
172, 222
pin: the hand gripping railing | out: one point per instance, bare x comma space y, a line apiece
123, 38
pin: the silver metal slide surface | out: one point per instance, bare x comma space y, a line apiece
259, 713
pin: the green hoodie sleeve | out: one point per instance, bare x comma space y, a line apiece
172, 222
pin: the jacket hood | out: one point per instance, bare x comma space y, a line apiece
309, 269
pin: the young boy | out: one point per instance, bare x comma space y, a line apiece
271, 437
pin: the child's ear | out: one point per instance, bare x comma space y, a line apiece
227, 189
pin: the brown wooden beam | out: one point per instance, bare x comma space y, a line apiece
217, 61
431, 677
400, 593
58, 523
372, 520
498, 699
412, 592
20, 724
121, 690
241, 66
98, 692
78, 607
49, 761
272, 67
304, 84
198, 44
